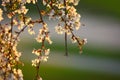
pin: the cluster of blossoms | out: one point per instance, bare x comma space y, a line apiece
42, 53
16, 14
15, 11
65, 12
9, 56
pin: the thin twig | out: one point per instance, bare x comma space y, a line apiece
39, 11
18, 34
66, 47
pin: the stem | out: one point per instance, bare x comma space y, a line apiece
21, 31
39, 10
37, 72
11, 28
38, 66
66, 48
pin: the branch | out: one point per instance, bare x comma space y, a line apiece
39, 11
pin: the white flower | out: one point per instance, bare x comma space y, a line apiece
48, 39
28, 1
41, 31
27, 20
67, 30
73, 39
70, 23
37, 52
1, 13
35, 62
31, 31
33, 1
15, 22
47, 51
60, 5
44, 2
77, 25
63, 13
40, 78
22, 10
21, 25
76, 2
45, 28
59, 29
51, 14
85, 41
39, 38
20, 75
44, 58
71, 9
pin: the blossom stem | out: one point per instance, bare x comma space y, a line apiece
11, 27
66, 48
37, 71
39, 10
21, 31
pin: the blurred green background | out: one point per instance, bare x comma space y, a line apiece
100, 59
101, 7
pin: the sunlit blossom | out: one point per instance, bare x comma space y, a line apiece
39, 38
59, 29
44, 58
35, 62
37, 52
1, 13
31, 31
48, 39
40, 78
44, 2
85, 41
73, 39
47, 51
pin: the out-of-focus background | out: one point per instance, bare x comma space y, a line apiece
100, 59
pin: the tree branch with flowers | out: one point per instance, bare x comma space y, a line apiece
15, 14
